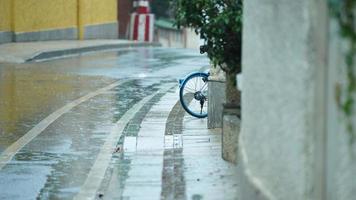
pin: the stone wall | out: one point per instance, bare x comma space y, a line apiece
217, 96
293, 144
341, 154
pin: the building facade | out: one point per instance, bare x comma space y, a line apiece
38, 20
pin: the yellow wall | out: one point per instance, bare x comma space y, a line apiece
35, 15
98, 11
5, 15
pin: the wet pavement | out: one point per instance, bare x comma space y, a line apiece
183, 164
21, 52
100, 126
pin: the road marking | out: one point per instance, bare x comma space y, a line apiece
9, 153
97, 172
130, 144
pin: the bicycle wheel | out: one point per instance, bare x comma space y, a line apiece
193, 94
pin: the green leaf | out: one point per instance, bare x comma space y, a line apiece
219, 23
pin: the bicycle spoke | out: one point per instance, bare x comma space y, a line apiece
189, 89
203, 86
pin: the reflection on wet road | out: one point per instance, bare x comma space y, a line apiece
55, 164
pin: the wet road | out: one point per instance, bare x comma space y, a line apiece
55, 116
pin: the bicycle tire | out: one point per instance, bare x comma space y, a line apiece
191, 98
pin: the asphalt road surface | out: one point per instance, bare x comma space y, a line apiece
56, 116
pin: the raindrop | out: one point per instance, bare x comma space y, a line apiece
142, 75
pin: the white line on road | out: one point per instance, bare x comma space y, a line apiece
97, 172
8, 154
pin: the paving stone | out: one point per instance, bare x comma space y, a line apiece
176, 157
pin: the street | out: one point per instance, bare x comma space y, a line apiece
57, 117
177, 100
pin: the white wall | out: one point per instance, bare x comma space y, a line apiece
193, 40
293, 144
185, 38
170, 38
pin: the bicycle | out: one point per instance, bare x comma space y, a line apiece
193, 94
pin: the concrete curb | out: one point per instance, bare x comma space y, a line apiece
46, 55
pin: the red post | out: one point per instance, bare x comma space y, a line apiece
141, 26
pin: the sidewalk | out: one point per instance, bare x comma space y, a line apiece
34, 51
172, 156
